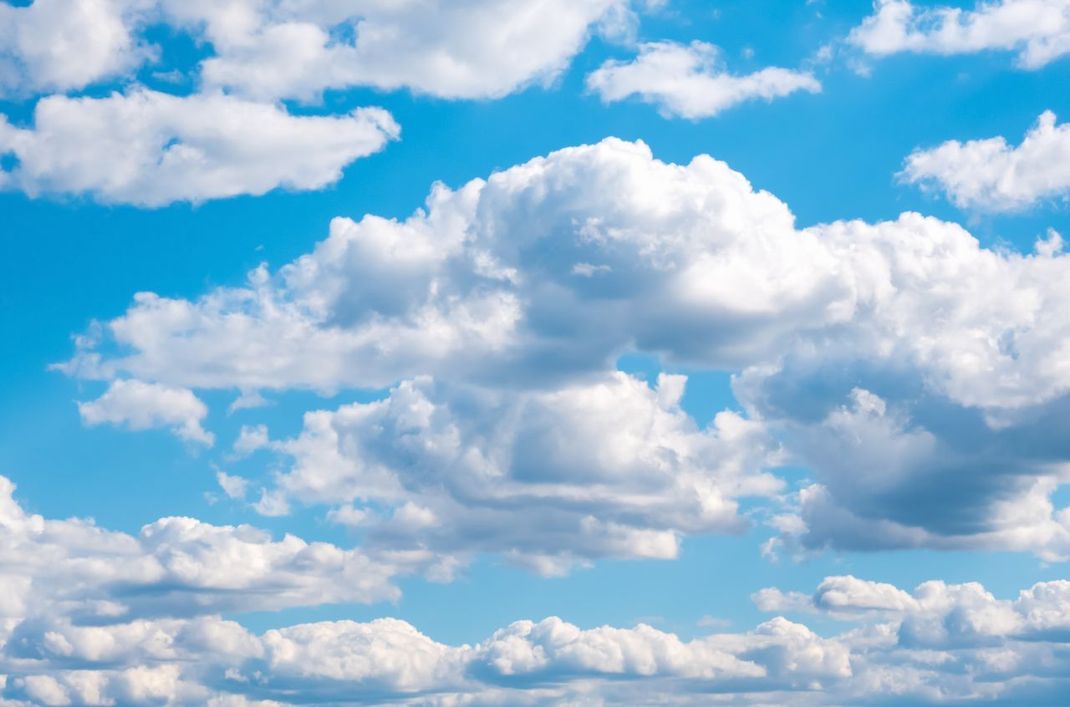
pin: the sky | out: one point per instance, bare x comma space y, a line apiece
534, 352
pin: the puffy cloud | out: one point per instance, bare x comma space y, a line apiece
886, 482
852, 594
990, 175
173, 567
691, 262
921, 377
270, 49
150, 149
688, 81
941, 642
1038, 30
938, 615
452, 50
57, 45
141, 406
607, 468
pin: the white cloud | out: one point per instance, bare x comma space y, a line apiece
233, 486
1038, 30
607, 468
990, 175
173, 567
939, 615
62, 642
269, 49
250, 439
150, 149
891, 358
689, 82
142, 406
700, 266
57, 45
452, 50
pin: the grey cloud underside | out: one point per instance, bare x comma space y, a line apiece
918, 375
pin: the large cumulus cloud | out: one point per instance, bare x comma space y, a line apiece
917, 374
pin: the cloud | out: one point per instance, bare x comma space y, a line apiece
451, 50
919, 376
275, 49
990, 175
954, 643
938, 615
142, 406
607, 468
688, 82
691, 261
150, 149
174, 567
91, 616
948, 480
1038, 30
233, 486
250, 439
58, 45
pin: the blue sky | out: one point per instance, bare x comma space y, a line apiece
929, 411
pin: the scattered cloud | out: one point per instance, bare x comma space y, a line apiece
141, 406
150, 149
1037, 30
688, 81
990, 175
275, 50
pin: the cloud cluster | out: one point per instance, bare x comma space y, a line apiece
91, 616
688, 81
1038, 30
62, 643
990, 175
937, 615
478, 49
273, 49
232, 134
173, 567
921, 378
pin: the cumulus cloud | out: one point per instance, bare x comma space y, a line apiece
150, 149
91, 616
608, 468
938, 615
688, 81
58, 45
173, 567
990, 175
277, 49
447, 49
141, 406
1038, 30
946, 643
921, 377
